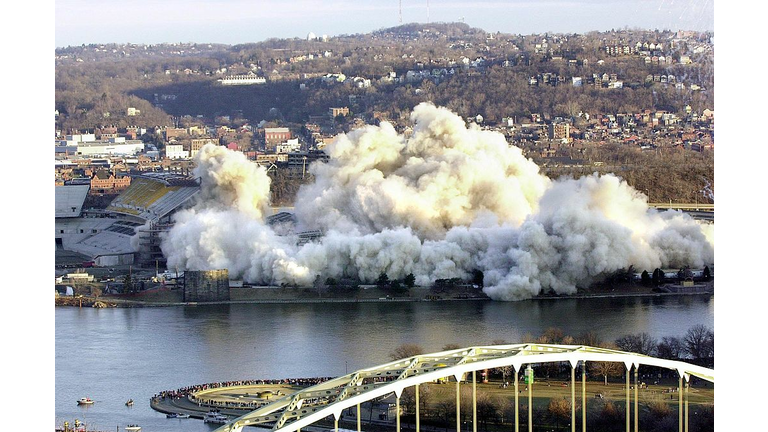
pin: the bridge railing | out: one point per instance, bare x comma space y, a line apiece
332, 397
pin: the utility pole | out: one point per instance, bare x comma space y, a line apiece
401, 11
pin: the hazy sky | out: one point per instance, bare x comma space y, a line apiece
241, 21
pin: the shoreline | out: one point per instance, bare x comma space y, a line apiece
111, 302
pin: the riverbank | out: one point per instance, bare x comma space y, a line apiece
164, 297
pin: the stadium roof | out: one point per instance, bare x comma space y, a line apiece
70, 199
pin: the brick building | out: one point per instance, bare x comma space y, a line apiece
274, 136
104, 182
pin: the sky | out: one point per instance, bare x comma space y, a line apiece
242, 21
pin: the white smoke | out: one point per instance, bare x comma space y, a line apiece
438, 204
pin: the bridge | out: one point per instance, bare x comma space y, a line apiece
330, 398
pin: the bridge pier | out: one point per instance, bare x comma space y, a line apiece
417, 409
352, 391
529, 371
474, 402
584, 396
458, 404
397, 416
626, 414
517, 402
687, 396
680, 403
573, 398
636, 412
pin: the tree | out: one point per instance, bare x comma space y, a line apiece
128, 284
606, 369
699, 342
670, 348
488, 409
405, 351
383, 279
505, 371
477, 277
707, 273
645, 278
397, 287
590, 338
658, 277
609, 419
553, 335
446, 410
642, 343
560, 410
410, 280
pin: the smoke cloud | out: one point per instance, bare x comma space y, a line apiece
445, 201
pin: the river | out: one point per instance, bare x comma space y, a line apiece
112, 355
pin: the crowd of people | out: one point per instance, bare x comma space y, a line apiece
189, 391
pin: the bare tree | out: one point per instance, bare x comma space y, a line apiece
445, 410
405, 351
590, 338
699, 342
408, 398
505, 371
559, 409
671, 348
553, 335
606, 369
642, 343
487, 409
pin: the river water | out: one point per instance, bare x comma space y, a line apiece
112, 355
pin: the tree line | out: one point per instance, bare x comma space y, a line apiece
495, 410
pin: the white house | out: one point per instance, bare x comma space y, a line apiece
176, 151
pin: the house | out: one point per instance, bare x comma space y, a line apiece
197, 144
176, 151
276, 135
335, 112
104, 182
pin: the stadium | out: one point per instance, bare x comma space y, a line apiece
127, 231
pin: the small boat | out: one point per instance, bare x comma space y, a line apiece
214, 416
129, 403
134, 428
182, 415
171, 415
85, 401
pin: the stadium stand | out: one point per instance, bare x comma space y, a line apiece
69, 200
153, 197
110, 236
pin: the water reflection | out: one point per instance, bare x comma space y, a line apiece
112, 355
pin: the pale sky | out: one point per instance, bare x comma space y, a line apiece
243, 21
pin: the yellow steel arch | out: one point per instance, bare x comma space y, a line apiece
307, 406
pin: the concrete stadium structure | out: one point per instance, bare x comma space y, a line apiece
305, 407
109, 236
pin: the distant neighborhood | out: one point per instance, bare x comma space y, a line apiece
320, 87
